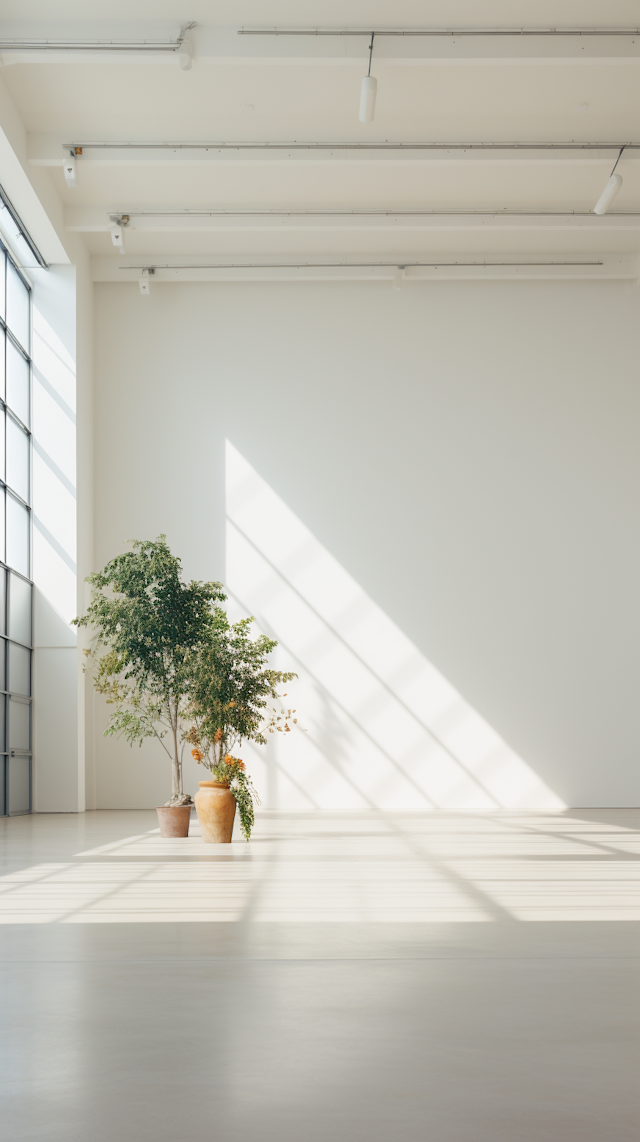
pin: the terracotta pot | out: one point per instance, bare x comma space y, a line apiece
174, 820
216, 808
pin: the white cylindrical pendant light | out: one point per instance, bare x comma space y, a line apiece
368, 98
608, 194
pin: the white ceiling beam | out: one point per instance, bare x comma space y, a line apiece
96, 220
52, 150
524, 267
221, 46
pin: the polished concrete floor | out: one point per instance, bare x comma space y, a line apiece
450, 977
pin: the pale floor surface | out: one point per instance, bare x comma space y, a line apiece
455, 977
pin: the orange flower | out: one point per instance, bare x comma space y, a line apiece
197, 754
217, 735
240, 764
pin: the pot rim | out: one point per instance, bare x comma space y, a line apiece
178, 807
213, 785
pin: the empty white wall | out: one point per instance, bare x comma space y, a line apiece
464, 455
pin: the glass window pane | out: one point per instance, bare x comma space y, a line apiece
17, 535
17, 458
2, 351
2, 503
3, 609
3, 762
19, 784
17, 382
19, 724
19, 669
17, 306
3, 744
19, 609
3, 673
2, 419
3, 270
2, 529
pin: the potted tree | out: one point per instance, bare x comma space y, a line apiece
230, 689
148, 627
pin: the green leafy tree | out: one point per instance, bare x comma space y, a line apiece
230, 686
149, 628
230, 689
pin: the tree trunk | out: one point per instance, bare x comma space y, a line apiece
176, 768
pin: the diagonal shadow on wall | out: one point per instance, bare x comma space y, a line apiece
383, 727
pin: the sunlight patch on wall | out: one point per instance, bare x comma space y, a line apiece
384, 728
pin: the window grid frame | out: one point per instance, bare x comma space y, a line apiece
7, 695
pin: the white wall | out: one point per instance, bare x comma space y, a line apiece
432, 500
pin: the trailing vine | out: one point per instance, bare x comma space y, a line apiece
231, 771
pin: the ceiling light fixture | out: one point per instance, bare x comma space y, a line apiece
70, 172
144, 282
368, 91
611, 189
185, 49
117, 236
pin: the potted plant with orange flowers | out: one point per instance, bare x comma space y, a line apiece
230, 687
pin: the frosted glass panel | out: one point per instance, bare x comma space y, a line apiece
3, 672
3, 597
2, 420
2, 341
19, 669
19, 724
3, 744
17, 535
19, 610
17, 458
3, 270
19, 784
17, 382
3, 762
17, 306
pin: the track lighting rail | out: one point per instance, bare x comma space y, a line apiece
98, 45
482, 264
376, 268
354, 146
438, 32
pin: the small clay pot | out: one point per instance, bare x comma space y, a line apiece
216, 809
173, 820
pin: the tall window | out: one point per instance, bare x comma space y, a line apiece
15, 538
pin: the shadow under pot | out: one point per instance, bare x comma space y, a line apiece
216, 809
173, 820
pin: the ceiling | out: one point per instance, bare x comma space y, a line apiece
308, 91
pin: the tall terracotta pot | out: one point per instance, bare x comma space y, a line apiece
216, 809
